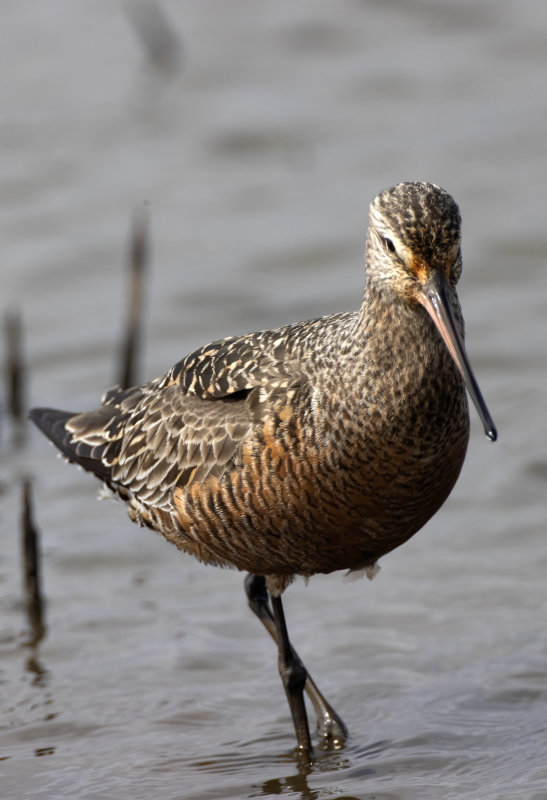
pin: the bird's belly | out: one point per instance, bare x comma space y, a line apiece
282, 515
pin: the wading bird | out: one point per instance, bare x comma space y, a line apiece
315, 447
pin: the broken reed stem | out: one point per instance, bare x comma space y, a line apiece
161, 43
138, 263
31, 566
15, 371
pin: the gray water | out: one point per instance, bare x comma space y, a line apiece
258, 151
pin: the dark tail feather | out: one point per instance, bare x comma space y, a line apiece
52, 422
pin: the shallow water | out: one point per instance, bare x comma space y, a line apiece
258, 156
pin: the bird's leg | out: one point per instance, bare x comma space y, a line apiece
329, 724
293, 675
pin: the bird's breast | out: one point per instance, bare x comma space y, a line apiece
323, 486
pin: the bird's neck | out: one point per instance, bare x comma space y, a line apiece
405, 359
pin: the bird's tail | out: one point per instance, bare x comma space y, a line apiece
86, 439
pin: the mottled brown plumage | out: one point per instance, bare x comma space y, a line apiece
311, 448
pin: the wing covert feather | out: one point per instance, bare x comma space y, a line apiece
188, 425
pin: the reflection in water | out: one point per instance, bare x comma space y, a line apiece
36, 668
293, 784
298, 785
32, 567
44, 751
326, 763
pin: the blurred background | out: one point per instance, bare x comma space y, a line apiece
255, 134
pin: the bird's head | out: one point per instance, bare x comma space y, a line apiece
414, 232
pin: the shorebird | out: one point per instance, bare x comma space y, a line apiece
311, 448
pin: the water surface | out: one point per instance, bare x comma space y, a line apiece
258, 153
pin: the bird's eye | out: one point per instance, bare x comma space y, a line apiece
388, 244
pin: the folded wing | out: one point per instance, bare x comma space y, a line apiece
179, 429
